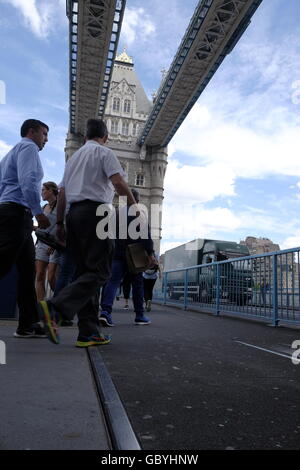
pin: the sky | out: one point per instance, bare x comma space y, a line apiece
233, 166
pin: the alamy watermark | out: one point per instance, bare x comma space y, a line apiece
128, 222
296, 354
2, 352
2, 92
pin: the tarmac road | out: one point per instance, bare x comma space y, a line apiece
193, 381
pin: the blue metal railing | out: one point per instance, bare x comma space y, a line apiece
259, 286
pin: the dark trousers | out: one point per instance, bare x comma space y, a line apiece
119, 271
126, 286
17, 247
66, 271
92, 258
148, 288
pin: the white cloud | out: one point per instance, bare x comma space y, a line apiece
245, 126
186, 222
245, 151
137, 26
197, 183
292, 241
41, 16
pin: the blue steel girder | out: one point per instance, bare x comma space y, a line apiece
213, 32
94, 34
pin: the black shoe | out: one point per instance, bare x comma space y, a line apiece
35, 332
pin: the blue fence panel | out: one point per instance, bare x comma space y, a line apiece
260, 286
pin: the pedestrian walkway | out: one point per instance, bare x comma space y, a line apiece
191, 380
187, 381
48, 399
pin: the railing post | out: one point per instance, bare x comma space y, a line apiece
165, 287
275, 292
218, 290
186, 274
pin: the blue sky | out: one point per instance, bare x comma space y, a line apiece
234, 166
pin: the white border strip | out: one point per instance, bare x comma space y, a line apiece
263, 349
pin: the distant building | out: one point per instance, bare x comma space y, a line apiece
287, 267
259, 246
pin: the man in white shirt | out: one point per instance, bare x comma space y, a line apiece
91, 176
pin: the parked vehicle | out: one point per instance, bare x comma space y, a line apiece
235, 278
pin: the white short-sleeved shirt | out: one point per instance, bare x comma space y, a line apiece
87, 174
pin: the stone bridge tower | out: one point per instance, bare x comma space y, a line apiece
126, 112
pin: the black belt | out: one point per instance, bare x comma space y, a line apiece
15, 204
87, 201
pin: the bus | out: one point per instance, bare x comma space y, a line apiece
235, 284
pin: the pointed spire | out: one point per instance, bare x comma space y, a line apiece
124, 57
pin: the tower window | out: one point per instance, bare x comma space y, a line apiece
114, 126
134, 129
125, 128
140, 179
116, 104
127, 106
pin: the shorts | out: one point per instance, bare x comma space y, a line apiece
41, 254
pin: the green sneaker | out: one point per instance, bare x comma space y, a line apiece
93, 340
48, 317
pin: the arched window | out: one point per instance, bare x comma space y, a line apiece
139, 179
134, 129
114, 126
127, 105
125, 128
116, 104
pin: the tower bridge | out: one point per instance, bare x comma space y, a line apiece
214, 29
105, 85
94, 30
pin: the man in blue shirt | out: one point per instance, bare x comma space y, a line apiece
21, 175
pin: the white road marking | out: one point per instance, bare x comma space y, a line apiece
264, 349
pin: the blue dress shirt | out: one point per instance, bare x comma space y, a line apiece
21, 175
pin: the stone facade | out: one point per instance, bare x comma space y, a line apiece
126, 112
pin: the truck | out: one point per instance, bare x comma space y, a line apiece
235, 278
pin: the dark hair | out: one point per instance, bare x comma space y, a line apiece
50, 185
32, 124
136, 195
96, 128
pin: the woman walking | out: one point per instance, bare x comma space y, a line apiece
47, 259
150, 276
